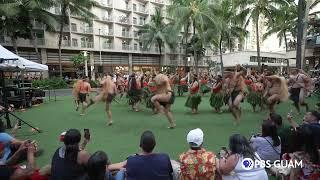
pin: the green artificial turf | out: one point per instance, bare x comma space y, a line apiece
122, 139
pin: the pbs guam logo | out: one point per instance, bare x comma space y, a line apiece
247, 164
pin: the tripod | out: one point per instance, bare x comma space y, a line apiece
7, 113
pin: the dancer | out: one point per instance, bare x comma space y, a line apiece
216, 99
84, 89
183, 85
152, 89
107, 94
164, 98
194, 98
276, 91
120, 85
255, 94
134, 92
299, 84
235, 93
204, 85
75, 93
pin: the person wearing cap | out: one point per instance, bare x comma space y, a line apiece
194, 98
146, 165
197, 162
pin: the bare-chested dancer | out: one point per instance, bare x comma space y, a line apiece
107, 94
164, 98
276, 91
235, 92
299, 84
83, 88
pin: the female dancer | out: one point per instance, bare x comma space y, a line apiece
164, 98
216, 99
134, 92
204, 85
194, 98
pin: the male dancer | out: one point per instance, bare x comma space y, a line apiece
276, 91
120, 85
298, 90
235, 93
107, 94
164, 98
84, 89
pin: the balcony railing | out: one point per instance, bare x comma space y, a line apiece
66, 43
135, 21
105, 3
158, 1
140, 10
128, 8
141, 23
40, 41
87, 30
107, 46
86, 44
124, 20
75, 44
107, 32
107, 18
126, 47
126, 34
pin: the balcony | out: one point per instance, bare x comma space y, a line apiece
107, 32
86, 30
124, 20
66, 43
126, 47
86, 44
74, 29
107, 18
75, 43
104, 3
158, 2
125, 34
40, 41
107, 46
140, 10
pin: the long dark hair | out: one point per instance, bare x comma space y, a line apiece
96, 166
239, 144
71, 141
269, 129
133, 82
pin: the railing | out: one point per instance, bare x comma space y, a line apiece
126, 35
107, 32
126, 47
40, 41
158, 1
107, 46
128, 8
107, 18
86, 44
105, 4
87, 30
141, 23
75, 44
124, 20
66, 43
74, 29
135, 21
142, 10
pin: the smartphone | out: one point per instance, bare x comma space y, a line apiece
86, 134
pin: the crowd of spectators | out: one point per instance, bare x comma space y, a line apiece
276, 141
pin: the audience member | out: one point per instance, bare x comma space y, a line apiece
96, 167
147, 165
268, 145
68, 162
197, 163
231, 166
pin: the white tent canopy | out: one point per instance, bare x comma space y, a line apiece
10, 61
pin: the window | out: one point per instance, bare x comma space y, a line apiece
135, 46
74, 27
74, 42
134, 20
134, 7
140, 45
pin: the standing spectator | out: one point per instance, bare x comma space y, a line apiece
231, 166
147, 165
268, 145
197, 162
68, 162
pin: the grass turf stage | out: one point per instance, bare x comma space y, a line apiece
122, 139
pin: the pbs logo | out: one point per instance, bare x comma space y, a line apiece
247, 164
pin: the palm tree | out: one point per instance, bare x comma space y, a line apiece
72, 7
158, 33
285, 20
195, 12
231, 26
257, 9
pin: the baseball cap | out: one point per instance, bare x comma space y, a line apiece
195, 137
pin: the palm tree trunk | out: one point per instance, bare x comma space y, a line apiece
221, 60
304, 32
194, 48
286, 44
186, 36
258, 42
62, 19
160, 54
35, 44
301, 10
14, 44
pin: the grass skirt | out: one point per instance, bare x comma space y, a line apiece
193, 101
216, 100
204, 88
134, 96
254, 98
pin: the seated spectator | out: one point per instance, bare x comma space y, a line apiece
11, 145
96, 167
147, 165
231, 166
68, 162
8, 172
197, 162
268, 145
311, 120
283, 131
306, 150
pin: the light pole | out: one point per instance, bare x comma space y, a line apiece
85, 54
